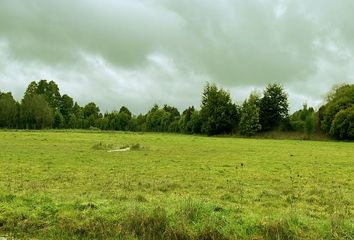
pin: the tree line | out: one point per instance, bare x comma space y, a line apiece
43, 107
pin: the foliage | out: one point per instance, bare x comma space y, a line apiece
218, 114
342, 126
304, 120
50, 91
9, 111
35, 112
273, 107
249, 123
341, 98
43, 106
66, 108
158, 120
58, 121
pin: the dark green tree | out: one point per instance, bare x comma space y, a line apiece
158, 120
35, 112
342, 126
186, 117
273, 107
31, 89
58, 121
126, 111
50, 91
304, 120
66, 107
218, 114
249, 123
91, 109
340, 98
9, 111
195, 124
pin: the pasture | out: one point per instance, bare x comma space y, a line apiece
67, 185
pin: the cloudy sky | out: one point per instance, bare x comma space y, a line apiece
140, 52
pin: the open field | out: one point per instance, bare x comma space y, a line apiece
66, 185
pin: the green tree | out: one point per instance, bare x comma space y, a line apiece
122, 121
273, 107
158, 120
125, 110
66, 107
58, 121
304, 120
73, 122
195, 124
36, 112
310, 123
218, 114
78, 112
249, 123
31, 89
342, 126
340, 98
91, 109
186, 117
9, 111
50, 91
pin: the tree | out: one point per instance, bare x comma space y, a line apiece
73, 122
273, 107
58, 121
91, 110
50, 91
158, 120
125, 110
249, 123
9, 111
342, 126
340, 98
218, 114
78, 113
31, 89
195, 124
66, 107
304, 120
186, 117
310, 123
139, 123
36, 112
122, 121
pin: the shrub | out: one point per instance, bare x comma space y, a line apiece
343, 124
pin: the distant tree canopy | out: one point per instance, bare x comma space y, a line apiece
42, 106
249, 123
218, 114
304, 120
35, 112
273, 107
336, 116
9, 111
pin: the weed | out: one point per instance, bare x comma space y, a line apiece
146, 223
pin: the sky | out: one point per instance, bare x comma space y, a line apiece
141, 52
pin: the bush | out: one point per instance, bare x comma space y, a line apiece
297, 126
343, 124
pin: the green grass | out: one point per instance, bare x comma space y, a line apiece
66, 185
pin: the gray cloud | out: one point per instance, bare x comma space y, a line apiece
140, 52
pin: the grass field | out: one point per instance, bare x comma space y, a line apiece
66, 185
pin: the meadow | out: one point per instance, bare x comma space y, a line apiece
68, 185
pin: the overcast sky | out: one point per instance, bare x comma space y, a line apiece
140, 52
